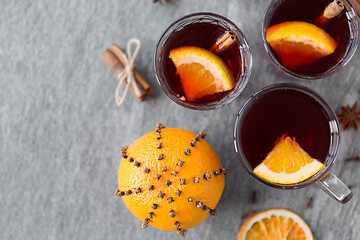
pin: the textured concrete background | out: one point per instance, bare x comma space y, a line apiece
61, 132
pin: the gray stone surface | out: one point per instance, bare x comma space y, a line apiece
61, 132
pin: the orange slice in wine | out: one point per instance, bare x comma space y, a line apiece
287, 163
201, 72
299, 43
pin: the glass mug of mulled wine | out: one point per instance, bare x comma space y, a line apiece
202, 61
310, 39
287, 137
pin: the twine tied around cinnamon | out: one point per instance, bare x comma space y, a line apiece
127, 76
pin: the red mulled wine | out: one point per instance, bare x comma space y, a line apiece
203, 35
284, 111
307, 11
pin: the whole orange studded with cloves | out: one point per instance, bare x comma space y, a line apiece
171, 179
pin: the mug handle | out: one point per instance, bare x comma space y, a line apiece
335, 188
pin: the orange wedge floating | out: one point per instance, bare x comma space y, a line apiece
287, 163
201, 72
299, 43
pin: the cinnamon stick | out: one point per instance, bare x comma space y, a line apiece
331, 11
117, 65
224, 42
146, 86
114, 63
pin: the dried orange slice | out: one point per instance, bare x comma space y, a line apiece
299, 43
287, 163
201, 72
275, 224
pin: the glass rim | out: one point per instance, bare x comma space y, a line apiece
334, 135
246, 61
349, 53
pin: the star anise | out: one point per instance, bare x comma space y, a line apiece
349, 117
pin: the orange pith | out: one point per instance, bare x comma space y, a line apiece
299, 43
275, 224
287, 163
201, 72
201, 159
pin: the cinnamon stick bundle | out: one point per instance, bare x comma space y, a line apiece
113, 58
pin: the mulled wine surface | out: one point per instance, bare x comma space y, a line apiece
202, 35
284, 112
307, 11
